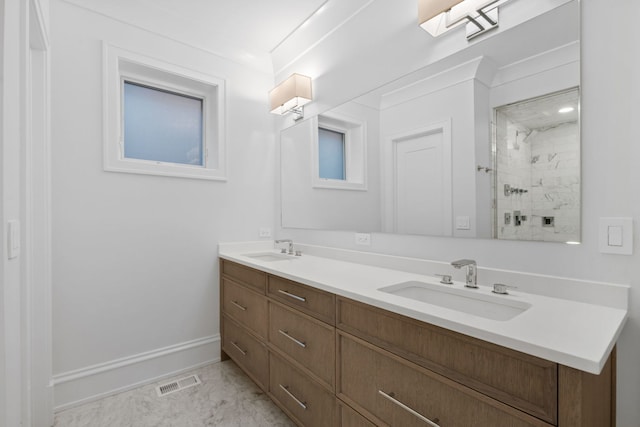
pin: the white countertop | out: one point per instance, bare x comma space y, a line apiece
577, 334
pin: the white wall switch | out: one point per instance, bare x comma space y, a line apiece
363, 239
615, 236
13, 239
265, 232
463, 223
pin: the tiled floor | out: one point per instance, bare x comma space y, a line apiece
225, 398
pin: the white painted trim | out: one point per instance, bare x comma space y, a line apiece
355, 132
93, 382
120, 63
37, 193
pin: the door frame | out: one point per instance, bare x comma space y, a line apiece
389, 199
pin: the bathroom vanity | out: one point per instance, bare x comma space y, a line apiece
332, 350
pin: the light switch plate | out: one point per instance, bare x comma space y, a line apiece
615, 236
13, 239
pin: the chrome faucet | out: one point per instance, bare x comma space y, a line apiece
290, 252
472, 276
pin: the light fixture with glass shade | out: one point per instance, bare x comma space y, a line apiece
439, 16
291, 95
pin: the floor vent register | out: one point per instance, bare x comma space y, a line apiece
181, 384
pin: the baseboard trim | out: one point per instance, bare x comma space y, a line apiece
94, 382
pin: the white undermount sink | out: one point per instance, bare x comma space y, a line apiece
270, 256
463, 300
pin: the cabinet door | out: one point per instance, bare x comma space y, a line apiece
314, 302
245, 307
490, 369
399, 393
250, 277
307, 341
249, 353
301, 398
347, 417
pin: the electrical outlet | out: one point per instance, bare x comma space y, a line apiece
265, 232
363, 239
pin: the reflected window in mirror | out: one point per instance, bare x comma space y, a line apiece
537, 185
339, 153
331, 154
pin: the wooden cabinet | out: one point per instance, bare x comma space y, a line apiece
490, 369
304, 339
282, 334
330, 361
245, 306
247, 276
304, 400
247, 351
348, 417
393, 391
314, 302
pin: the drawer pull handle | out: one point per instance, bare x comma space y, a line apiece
239, 306
244, 352
297, 341
406, 408
285, 388
294, 296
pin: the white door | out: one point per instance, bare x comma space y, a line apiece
422, 185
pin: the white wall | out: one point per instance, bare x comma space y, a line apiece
609, 109
453, 103
135, 275
306, 206
25, 318
13, 40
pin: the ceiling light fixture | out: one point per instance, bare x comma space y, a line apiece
439, 16
291, 95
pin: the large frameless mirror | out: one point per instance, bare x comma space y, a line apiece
432, 152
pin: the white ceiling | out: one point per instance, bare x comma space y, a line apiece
245, 31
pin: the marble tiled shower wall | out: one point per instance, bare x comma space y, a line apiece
546, 164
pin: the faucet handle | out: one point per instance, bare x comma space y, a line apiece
446, 279
500, 288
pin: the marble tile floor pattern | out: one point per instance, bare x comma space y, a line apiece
226, 398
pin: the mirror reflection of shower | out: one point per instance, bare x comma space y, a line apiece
537, 181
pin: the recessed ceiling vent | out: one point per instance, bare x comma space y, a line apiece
177, 385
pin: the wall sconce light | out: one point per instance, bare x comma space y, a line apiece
439, 16
291, 95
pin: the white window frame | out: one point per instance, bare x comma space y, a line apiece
120, 65
355, 152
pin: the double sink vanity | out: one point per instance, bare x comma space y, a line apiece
343, 338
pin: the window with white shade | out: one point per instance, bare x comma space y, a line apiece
331, 154
162, 126
162, 119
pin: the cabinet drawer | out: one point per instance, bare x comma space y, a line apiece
485, 367
304, 400
247, 276
245, 306
347, 417
308, 341
249, 353
390, 388
312, 301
